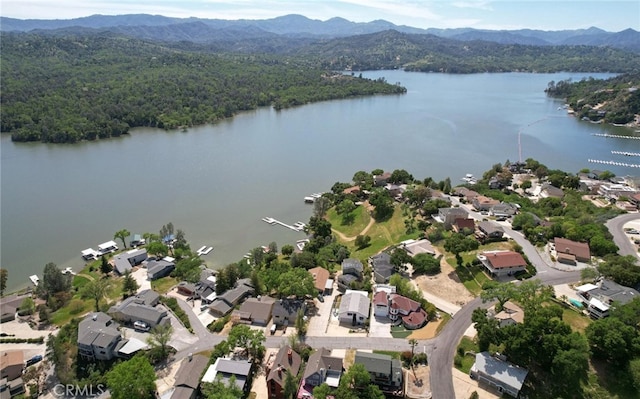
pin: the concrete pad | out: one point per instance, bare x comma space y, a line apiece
464, 386
140, 276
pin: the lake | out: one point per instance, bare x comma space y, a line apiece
216, 182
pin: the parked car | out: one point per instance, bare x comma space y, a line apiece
633, 231
35, 359
321, 298
141, 326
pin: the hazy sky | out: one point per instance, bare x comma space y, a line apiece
611, 15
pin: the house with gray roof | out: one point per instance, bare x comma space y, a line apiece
354, 307
159, 268
345, 281
448, 216
490, 230
503, 210
224, 369
352, 266
384, 371
125, 261
255, 311
227, 301
322, 368
498, 373
98, 337
187, 378
601, 297
382, 267
285, 311
286, 360
140, 307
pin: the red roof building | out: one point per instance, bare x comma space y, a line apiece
502, 263
580, 250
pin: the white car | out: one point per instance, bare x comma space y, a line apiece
141, 326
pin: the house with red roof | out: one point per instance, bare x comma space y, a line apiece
502, 263
399, 309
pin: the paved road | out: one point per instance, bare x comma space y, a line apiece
621, 239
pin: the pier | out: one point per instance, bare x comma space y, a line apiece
626, 153
297, 226
628, 165
310, 199
616, 136
204, 250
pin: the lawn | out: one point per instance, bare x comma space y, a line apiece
400, 332
382, 235
360, 221
472, 277
164, 284
466, 345
575, 319
394, 355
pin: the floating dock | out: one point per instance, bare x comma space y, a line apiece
310, 199
34, 279
204, 250
628, 165
297, 226
616, 136
626, 153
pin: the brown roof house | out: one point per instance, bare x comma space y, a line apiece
188, 377
482, 203
254, 311
12, 364
462, 224
448, 216
320, 278
502, 263
286, 360
510, 314
571, 252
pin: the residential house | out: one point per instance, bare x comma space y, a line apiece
98, 337
570, 252
355, 190
502, 263
159, 268
285, 311
503, 210
613, 191
125, 261
286, 360
490, 230
381, 180
549, 191
9, 306
461, 225
224, 369
494, 183
498, 373
141, 307
345, 281
186, 289
206, 287
406, 310
322, 368
320, 279
354, 307
11, 365
187, 378
599, 298
10, 389
466, 194
448, 216
482, 203
635, 200
414, 247
224, 303
510, 314
352, 266
254, 311
382, 267
384, 371
381, 304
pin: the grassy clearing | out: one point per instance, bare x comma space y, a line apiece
64, 315
360, 221
400, 332
164, 284
464, 363
394, 355
575, 319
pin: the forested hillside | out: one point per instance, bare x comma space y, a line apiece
428, 53
615, 100
72, 88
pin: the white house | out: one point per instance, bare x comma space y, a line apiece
354, 307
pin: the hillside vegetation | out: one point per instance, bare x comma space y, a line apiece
67, 89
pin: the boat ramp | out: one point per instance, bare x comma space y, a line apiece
297, 226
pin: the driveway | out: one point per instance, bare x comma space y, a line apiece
616, 228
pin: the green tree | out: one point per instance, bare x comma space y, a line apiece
613, 340
105, 266
321, 206
301, 323
290, 388
122, 234
252, 341
502, 292
362, 241
129, 284
157, 248
53, 281
132, 379
159, 338
27, 307
356, 384
322, 391
4, 274
296, 282
287, 250
96, 290
383, 203
457, 243
318, 227
413, 343
219, 390
426, 263
399, 258
363, 179
589, 274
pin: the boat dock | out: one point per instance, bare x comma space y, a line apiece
204, 250
616, 136
310, 199
628, 165
626, 153
34, 279
297, 226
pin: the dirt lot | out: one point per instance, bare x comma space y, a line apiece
418, 386
445, 285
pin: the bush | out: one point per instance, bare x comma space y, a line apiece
76, 306
172, 303
406, 357
219, 324
457, 361
420, 358
38, 340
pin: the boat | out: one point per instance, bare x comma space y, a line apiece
68, 270
469, 178
309, 200
206, 251
34, 279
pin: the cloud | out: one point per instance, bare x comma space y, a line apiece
474, 4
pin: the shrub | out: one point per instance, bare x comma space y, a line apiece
406, 357
76, 306
457, 361
219, 324
420, 358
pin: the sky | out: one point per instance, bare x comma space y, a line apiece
610, 15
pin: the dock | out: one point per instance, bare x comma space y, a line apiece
626, 153
616, 136
310, 199
297, 226
204, 250
34, 279
628, 165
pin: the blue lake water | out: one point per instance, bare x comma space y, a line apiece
216, 182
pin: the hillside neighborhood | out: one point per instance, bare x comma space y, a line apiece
419, 302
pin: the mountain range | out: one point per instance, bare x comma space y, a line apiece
198, 30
